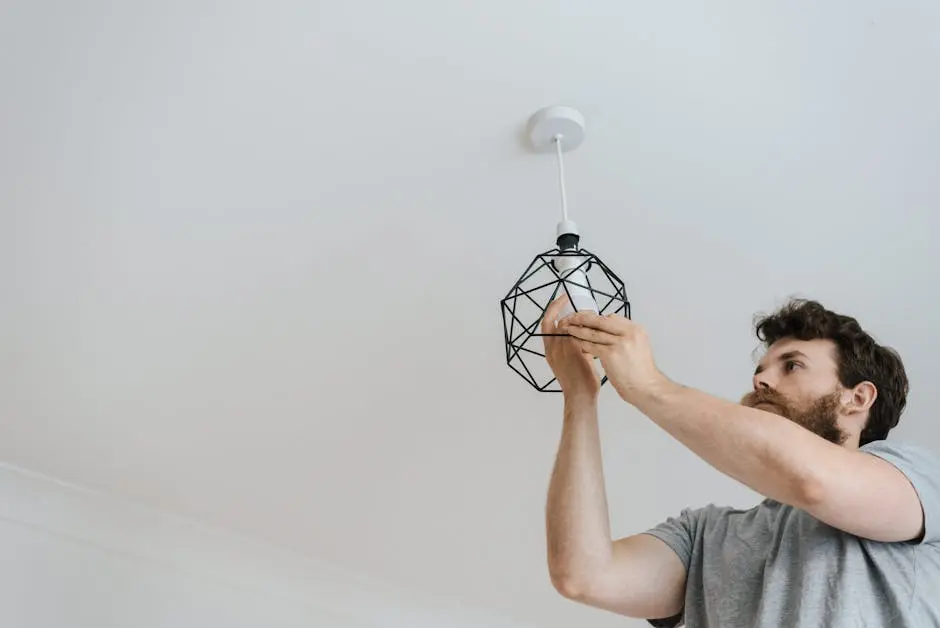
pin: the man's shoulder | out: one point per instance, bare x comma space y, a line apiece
906, 455
903, 447
920, 464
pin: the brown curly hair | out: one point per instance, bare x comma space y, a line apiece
859, 357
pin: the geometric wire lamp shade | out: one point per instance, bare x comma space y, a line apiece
541, 283
565, 269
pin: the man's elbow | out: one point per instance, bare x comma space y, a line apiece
575, 586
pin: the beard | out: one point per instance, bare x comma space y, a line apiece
820, 416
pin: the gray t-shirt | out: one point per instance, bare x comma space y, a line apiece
774, 565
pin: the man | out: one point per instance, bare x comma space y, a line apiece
849, 532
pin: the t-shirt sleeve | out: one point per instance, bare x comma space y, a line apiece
921, 466
679, 533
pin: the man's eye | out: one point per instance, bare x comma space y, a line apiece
792, 365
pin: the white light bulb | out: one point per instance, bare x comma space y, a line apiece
569, 268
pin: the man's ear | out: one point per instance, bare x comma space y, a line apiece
860, 398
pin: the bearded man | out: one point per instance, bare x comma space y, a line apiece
849, 531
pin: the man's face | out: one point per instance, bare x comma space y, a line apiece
798, 379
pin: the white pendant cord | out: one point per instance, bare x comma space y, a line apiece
561, 178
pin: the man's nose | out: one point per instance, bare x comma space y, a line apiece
761, 381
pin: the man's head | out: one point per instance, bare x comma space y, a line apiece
823, 371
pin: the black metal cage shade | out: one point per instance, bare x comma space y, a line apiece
525, 304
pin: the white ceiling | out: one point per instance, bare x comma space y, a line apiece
253, 252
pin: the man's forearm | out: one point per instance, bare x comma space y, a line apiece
771, 454
577, 521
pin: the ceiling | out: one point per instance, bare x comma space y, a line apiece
253, 252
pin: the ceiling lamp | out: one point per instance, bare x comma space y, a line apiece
565, 269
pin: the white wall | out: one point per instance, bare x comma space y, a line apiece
72, 557
48, 580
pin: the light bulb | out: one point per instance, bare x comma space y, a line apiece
569, 268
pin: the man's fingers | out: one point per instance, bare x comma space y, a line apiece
616, 325
551, 313
589, 334
591, 348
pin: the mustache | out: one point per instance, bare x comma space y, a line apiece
765, 395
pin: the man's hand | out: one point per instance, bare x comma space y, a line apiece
622, 347
573, 368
